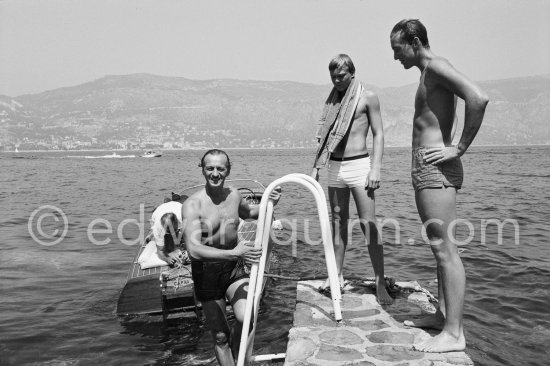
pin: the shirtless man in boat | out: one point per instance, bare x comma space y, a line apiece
211, 219
437, 171
342, 136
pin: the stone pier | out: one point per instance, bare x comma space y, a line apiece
368, 333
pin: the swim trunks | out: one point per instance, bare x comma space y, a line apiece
348, 172
425, 175
212, 279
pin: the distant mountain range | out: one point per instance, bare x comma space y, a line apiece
139, 110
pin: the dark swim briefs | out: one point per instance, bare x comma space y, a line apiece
425, 175
212, 279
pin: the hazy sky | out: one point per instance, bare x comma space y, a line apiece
47, 44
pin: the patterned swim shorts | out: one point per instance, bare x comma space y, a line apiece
425, 175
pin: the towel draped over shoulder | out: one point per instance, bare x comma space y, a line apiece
336, 120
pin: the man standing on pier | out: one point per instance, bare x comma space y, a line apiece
349, 112
437, 170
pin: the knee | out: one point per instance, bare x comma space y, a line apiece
239, 317
443, 252
438, 241
221, 339
339, 213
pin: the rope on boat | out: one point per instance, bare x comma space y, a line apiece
180, 276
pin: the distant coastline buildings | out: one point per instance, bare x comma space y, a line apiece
55, 143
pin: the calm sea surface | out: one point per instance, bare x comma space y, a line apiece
57, 301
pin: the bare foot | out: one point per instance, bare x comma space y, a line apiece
325, 288
443, 342
432, 321
382, 295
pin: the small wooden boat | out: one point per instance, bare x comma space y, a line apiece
165, 290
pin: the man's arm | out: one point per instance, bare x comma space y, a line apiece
445, 75
198, 251
377, 128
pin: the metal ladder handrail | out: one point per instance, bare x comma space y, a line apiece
257, 270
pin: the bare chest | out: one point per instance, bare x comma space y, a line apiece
421, 97
222, 214
433, 99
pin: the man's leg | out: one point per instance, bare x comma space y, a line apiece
339, 205
441, 300
214, 312
437, 320
437, 209
237, 293
366, 209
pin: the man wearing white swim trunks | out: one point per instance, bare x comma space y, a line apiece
349, 172
349, 112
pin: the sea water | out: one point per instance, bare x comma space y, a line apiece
57, 297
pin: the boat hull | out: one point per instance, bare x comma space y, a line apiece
144, 296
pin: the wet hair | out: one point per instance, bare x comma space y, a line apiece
411, 28
216, 152
342, 60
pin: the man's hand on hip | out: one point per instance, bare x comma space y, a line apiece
438, 155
